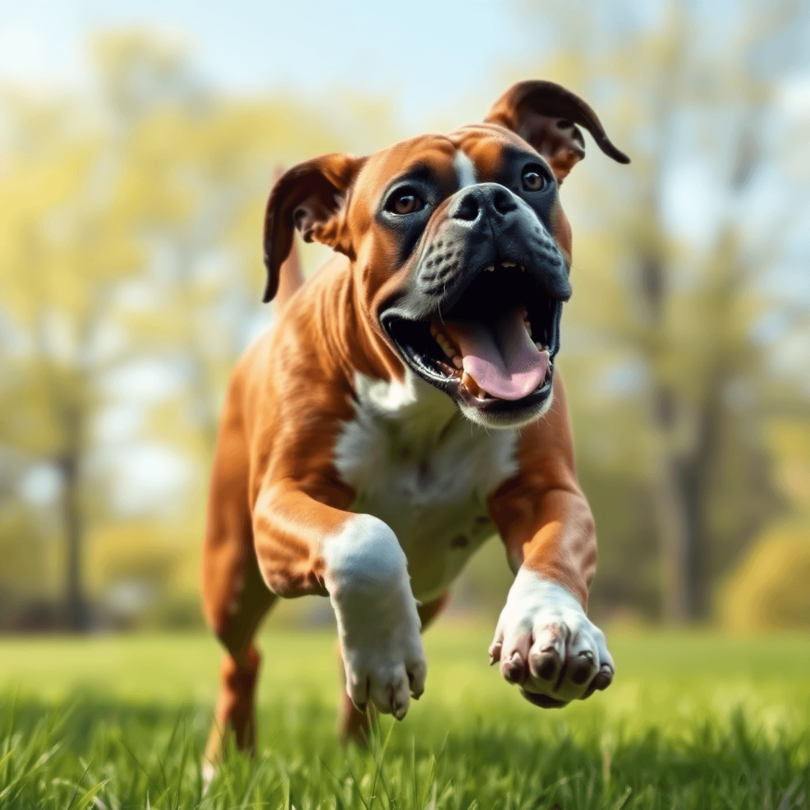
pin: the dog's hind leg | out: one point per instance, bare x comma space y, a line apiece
235, 616
236, 710
355, 725
236, 599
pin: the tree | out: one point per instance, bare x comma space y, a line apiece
132, 235
63, 251
670, 301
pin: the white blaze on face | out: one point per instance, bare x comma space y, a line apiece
465, 170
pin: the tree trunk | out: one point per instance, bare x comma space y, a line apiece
77, 614
670, 512
694, 481
668, 496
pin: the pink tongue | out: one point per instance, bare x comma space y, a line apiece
502, 360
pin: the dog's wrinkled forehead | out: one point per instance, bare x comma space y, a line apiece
335, 198
489, 147
470, 155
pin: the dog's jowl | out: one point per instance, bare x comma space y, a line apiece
399, 414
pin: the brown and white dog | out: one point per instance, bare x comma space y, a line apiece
399, 414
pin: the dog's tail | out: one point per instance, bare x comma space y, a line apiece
291, 275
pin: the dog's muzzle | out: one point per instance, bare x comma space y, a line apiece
480, 317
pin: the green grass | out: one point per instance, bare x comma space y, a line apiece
692, 721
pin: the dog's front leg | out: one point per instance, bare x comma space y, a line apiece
547, 645
544, 640
306, 546
367, 579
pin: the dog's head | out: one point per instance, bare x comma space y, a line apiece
458, 243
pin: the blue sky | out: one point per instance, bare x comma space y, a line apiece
435, 60
425, 54
425, 57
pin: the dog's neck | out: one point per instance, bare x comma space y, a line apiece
412, 409
330, 305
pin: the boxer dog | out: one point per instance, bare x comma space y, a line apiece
400, 413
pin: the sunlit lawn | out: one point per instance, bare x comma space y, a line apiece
693, 721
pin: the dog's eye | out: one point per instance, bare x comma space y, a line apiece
533, 179
404, 201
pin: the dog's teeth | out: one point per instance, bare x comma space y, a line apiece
540, 346
528, 326
434, 330
490, 269
509, 264
457, 361
522, 268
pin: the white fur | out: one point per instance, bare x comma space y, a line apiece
420, 466
531, 595
465, 170
362, 554
541, 613
366, 576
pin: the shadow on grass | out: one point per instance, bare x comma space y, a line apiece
93, 751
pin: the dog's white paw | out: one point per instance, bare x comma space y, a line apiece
367, 579
547, 645
385, 665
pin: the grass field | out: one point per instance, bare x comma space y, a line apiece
692, 721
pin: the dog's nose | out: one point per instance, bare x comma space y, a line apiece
488, 200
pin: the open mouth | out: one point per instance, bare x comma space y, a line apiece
495, 347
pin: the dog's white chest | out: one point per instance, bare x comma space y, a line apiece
416, 463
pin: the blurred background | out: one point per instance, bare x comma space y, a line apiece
138, 143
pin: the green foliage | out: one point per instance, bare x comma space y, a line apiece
692, 721
131, 239
770, 586
670, 381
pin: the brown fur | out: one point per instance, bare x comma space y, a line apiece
275, 491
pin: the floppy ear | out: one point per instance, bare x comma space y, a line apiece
309, 197
545, 115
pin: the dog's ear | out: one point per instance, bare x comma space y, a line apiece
546, 114
311, 198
